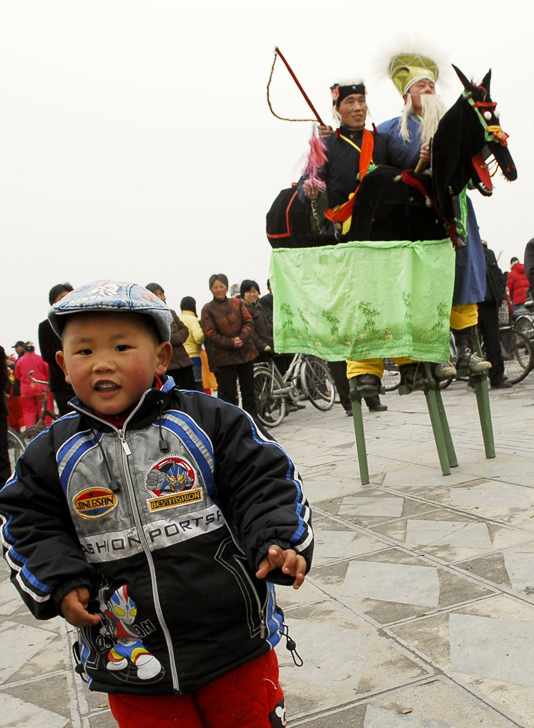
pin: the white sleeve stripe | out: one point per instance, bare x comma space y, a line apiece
304, 545
16, 567
30, 592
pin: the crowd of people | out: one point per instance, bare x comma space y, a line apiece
209, 354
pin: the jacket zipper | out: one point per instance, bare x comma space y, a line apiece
148, 554
142, 537
261, 609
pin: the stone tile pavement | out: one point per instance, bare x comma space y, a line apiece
419, 611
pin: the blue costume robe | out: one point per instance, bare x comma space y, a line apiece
470, 267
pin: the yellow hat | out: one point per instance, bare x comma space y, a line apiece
406, 68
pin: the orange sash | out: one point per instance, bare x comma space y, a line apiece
344, 211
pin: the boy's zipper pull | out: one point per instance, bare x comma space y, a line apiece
263, 626
124, 444
291, 645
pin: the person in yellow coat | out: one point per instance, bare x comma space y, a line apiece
193, 343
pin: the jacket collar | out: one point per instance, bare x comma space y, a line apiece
142, 415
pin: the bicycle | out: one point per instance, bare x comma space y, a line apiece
523, 321
15, 446
31, 432
391, 377
517, 354
307, 373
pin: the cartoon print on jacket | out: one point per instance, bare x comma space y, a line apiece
114, 646
171, 475
118, 615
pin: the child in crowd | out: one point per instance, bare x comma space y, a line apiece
156, 521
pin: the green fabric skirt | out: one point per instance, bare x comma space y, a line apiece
361, 300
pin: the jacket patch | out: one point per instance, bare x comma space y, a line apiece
94, 502
191, 496
172, 480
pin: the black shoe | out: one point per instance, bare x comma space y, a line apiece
502, 384
367, 383
348, 412
412, 375
378, 408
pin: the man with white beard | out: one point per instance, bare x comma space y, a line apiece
408, 137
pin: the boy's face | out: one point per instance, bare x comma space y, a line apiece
110, 359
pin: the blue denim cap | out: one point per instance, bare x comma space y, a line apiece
114, 296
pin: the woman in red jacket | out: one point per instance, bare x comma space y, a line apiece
229, 329
517, 282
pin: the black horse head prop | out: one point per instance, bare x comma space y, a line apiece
467, 137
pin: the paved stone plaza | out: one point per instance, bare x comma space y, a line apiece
419, 611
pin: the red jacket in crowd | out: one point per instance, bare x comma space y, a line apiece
518, 284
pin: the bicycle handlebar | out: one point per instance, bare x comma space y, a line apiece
37, 381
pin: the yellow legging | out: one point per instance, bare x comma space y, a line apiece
372, 366
462, 317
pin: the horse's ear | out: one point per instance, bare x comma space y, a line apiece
467, 84
486, 81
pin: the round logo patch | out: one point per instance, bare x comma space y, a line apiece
94, 502
171, 475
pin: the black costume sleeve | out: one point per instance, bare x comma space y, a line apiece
40, 543
260, 491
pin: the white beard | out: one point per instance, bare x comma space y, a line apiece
433, 109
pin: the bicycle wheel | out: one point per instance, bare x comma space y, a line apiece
525, 326
29, 433
516, 353
270, 407
15, 447
317, 383
391, 377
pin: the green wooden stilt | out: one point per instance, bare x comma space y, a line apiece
433, 385
453, 460
484, 412
438, 419
435, 419
356, 400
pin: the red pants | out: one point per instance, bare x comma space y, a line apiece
31, 407
249, 697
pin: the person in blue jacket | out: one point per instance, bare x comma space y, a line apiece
407, 137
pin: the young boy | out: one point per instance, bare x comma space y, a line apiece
156, 520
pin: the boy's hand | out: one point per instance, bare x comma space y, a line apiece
74, 608
287, 560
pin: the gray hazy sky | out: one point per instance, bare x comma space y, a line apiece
137, 143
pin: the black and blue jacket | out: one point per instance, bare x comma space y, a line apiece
165, 520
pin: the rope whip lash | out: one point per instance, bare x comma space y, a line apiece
316, 158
